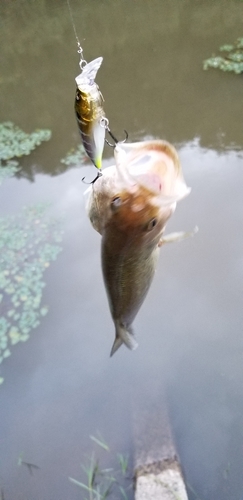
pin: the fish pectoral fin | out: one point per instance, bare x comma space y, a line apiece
175, 237
123, 336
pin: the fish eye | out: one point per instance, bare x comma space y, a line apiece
152, 223
116, 203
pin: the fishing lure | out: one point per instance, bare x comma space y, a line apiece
89, 111
91, 118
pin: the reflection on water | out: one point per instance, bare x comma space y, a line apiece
61, 385
189, 333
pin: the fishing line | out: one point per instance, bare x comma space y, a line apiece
82, 62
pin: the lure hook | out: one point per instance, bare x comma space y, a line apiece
104, 122
114, 138
92, 182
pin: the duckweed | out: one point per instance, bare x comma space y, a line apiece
29, 242
8, 169
16, 143
75, 156
232, 60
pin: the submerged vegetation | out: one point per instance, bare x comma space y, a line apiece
102, 483
231, 59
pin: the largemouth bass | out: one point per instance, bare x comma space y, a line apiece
89, 112
129, 206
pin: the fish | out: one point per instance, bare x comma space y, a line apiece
130, 206
89, 112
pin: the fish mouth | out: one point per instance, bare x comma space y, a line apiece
154, 165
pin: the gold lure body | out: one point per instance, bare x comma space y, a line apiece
89, 112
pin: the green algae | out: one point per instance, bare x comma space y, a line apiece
29, 242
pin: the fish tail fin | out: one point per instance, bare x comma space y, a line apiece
123, 336
117, 343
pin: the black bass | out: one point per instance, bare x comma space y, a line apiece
129, 206
89, 112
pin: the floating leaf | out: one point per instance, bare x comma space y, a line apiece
44, 311
8, 169
14, 335
11, 313
6, 353
226, 48
239, 43
4, 325
75, 156
23, 338
15, 143
27, 245
232, 61
3, 343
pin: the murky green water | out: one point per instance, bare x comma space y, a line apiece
61, 386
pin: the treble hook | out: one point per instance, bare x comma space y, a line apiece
92, 182
114, 138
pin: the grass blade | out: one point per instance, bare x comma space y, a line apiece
102, 443
107, 492
78, 483
123, 461
123, 492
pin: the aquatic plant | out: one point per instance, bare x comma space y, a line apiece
100, 441
75, 156
16, 143
123, 461
8, 169
29, 241
101, 483
232, 60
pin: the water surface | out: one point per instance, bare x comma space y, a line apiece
61, 386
